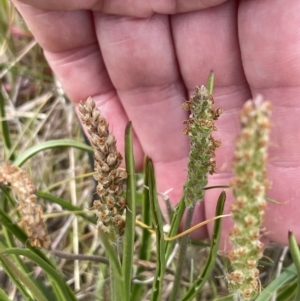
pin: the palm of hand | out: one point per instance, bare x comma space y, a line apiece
141, 67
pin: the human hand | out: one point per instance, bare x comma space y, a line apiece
140, 66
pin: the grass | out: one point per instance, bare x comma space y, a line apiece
41, 132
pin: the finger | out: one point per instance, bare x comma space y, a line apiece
207, 40
270, 39
71, 48
141, 63
141, 9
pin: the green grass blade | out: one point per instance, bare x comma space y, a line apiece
20, 235
145, 247
288, 292
9, 241
289, 274
128, 249
160, 242
4, 129
111, 253
5, 202
210, 82
296, 259
9, 269
15, 230
175, 223
145, 251
24, 283
226, 298
48, 145
3, 296
63, 290
199, 283
115, 268
116, 278
64, 204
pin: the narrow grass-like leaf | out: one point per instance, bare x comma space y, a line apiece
183, 246
289, 274
3, 296
21, 236
26, 269
115, 268
226, 298
22, 281
113, 258
5, 130
160, 242
64, 204
48, 145
10, 229
210, 82
146, 241
288, 292
175, 223
64, 291
145, 247
128, 249
9, 241
10, 273
200, 281
296, 259
15, 230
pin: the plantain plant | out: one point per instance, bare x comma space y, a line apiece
116, 248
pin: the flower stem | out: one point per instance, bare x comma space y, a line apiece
182, 251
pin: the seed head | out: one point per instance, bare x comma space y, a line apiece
111, 179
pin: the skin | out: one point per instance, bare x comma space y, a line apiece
139, 60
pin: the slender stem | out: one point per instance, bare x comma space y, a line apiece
68, 256
181, 258
112, 278
112, 283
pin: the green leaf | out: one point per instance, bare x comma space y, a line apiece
276, 284
210, 82
145, 248
29, 289
158, 226
63, 291
5, 130
9, 269
20, 235
116, 278
288, 292
175, 223
113, 258
5, 201
296, 258
128, 249
48, 145
15, 230
65, 204
3, 296
210, 263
